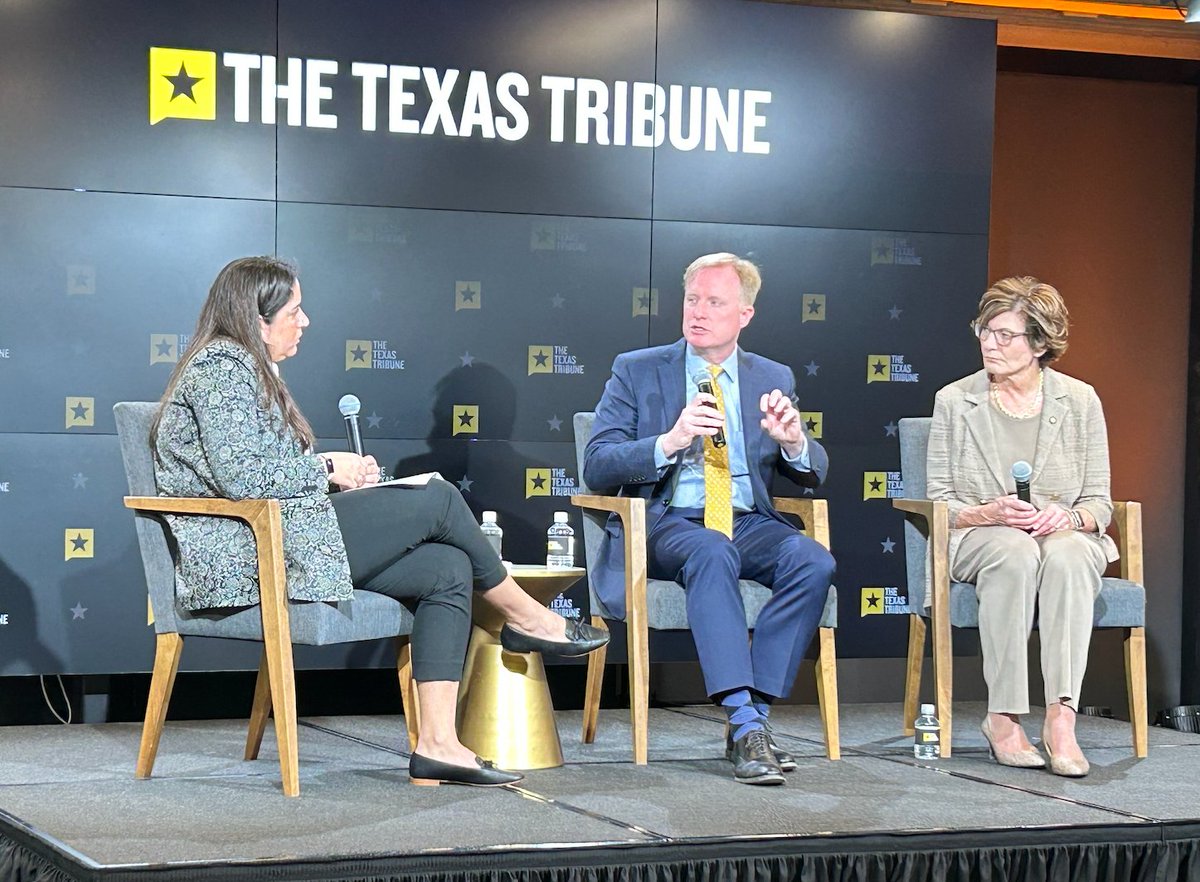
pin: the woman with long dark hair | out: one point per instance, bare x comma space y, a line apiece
228, 427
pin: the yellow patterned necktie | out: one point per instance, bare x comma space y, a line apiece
718, 486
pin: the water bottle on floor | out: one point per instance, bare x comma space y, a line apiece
560, 543
491, 529
927, 740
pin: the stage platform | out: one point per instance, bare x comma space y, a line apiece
71, 809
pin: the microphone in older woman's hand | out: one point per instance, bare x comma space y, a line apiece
703, 381
1022, 472
349, 405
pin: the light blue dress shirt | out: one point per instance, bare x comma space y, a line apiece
689, 477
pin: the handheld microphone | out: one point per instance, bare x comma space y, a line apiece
349, 405
1021, 472
703, 381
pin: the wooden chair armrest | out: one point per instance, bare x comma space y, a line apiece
242, 509
1127, 516
936, 515
923, 507
632, 512
622, 505
265, 522
813, 512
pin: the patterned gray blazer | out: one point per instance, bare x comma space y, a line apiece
216, 440
1070, 465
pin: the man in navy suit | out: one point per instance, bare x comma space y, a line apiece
707, 457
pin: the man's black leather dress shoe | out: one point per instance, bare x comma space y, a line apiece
753, 762
582, 638
430, 773
787, 762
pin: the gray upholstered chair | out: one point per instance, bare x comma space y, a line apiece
1121, 603
660, 604
276, 622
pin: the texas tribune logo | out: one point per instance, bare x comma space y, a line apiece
372, 355
890, 369
552, 359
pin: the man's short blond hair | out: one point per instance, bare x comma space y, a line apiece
748, 274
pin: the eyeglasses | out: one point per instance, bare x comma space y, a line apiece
1003, 335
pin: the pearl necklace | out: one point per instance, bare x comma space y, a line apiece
1031, 410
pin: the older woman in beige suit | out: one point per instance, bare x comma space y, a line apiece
1047, 553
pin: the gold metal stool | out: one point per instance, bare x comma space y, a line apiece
504, 709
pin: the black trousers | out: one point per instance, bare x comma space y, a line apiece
422, 546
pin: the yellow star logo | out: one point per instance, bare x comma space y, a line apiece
541, 360
358, 354
468, 295
871, 602
465, 419
813, 421
183, 84
883, 250
164, 348
812, 308
78, 543
80, 411
645, 301
544, 237
874, 485
537, 482
879, 368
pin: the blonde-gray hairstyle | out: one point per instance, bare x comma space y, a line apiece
1045, 313
747, 272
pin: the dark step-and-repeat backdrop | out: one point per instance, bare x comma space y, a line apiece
487, 202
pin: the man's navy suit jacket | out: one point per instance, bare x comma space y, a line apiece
642, 399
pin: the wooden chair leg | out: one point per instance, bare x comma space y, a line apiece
277, 648
408, 691
943, 678
168, 649
638, 641
912, 673
260, 710
595, 679
1135, 684
827, 694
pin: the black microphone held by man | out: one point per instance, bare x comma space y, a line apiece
703, 381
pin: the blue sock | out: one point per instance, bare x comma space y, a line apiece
743, 716
764, 709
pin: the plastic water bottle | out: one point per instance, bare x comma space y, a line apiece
927, 740
560, 542
490, 529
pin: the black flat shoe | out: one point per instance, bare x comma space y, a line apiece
582, 638
427, 772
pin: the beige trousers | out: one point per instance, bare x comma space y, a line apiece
1013, 572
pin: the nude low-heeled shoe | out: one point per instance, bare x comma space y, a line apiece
1061, 765
1018, 759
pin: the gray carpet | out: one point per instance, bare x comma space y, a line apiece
75, 785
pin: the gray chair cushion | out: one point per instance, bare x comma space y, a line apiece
1121, 603
368, 616
666, 606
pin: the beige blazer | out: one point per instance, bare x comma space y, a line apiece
1070, 466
